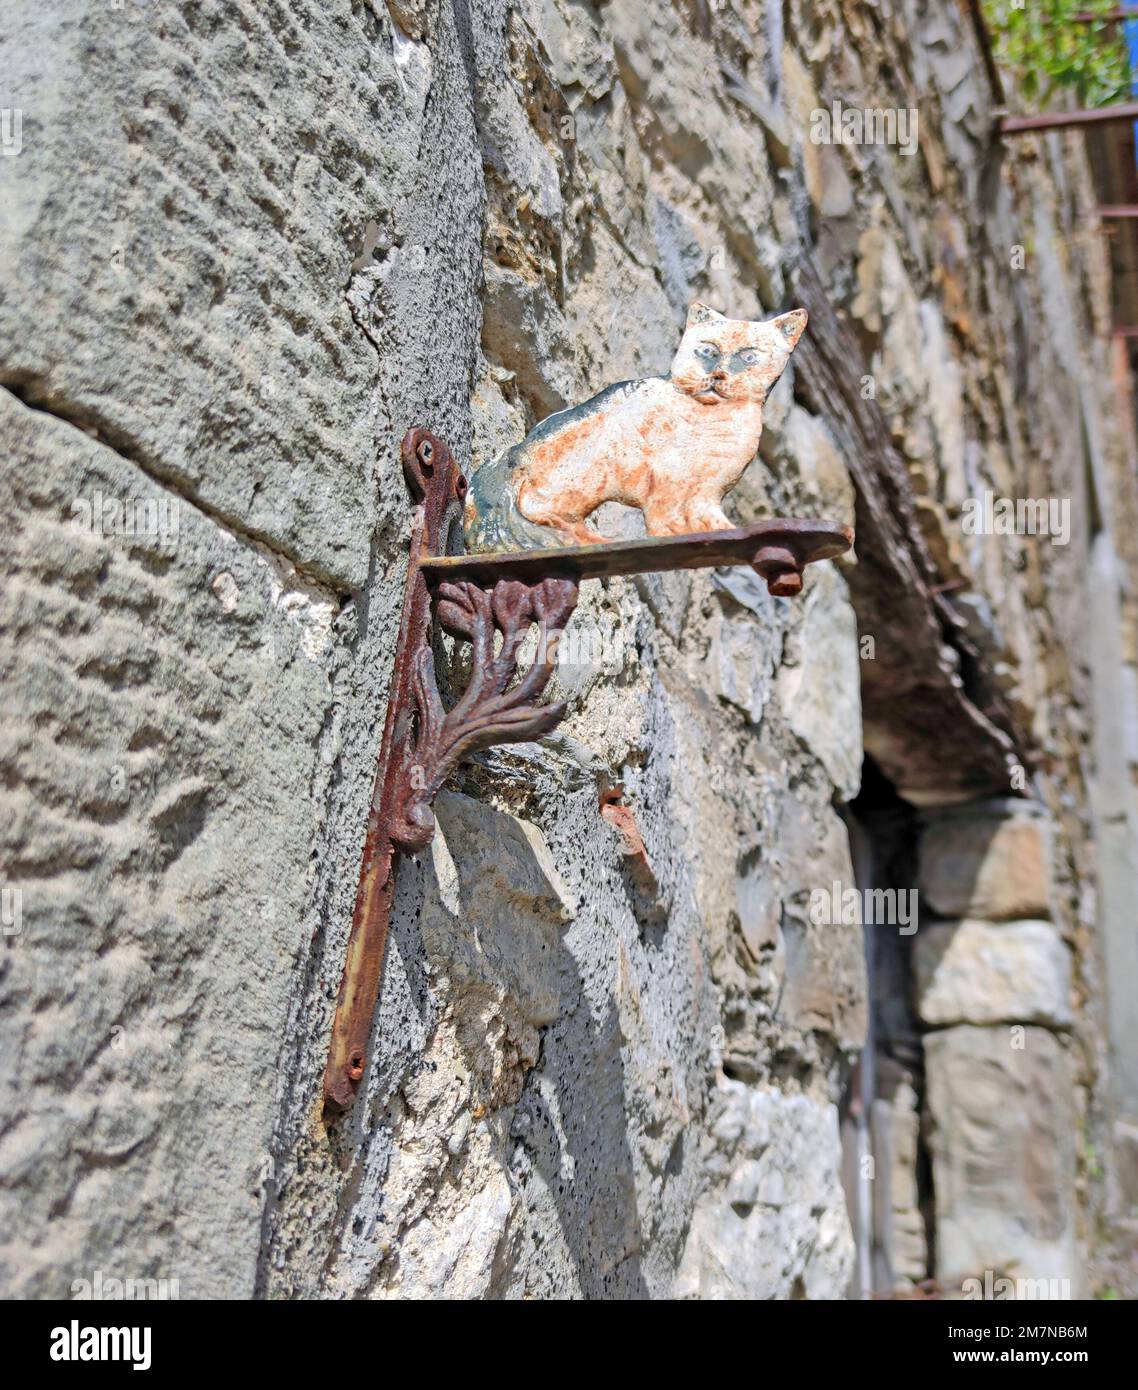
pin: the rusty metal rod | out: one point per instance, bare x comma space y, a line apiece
1117, 210
375, 892
1062, 120
1089, 16
436, 484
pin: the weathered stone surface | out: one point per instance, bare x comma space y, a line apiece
775, 1226
823, 984
805, 441
198, 192
246, 245
977, 972
1003, 1142
898, 1218
819, 681
493, 915
745, 654
152, 722
990, 864
496, 937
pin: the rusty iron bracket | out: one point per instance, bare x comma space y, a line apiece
1007, 124
480, 598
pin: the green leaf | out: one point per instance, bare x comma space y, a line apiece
1047, 51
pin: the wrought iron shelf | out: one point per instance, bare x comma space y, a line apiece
477, 598
777, 549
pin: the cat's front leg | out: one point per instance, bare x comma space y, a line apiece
579, 533
698, 514
710, 517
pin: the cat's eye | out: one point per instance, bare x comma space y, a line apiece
708, 350
751, 356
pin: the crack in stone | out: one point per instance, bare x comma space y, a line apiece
108, 437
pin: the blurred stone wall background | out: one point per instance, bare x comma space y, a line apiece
245, 245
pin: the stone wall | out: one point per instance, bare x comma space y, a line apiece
997, 995
246, 245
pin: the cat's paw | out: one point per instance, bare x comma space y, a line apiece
706, 519
584, 535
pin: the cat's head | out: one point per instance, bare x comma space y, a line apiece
721, 359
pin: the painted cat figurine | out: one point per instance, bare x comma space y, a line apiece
673, 446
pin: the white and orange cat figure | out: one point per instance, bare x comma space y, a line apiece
673, 446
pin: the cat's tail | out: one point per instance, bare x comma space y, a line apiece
491, 519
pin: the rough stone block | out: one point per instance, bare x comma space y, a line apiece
824, 987
1003, 1146
820, 686
980, 972
899, 1220
190, 203
988, 864
159, 692
776, 1227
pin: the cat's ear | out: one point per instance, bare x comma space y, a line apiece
703, 313
791, 325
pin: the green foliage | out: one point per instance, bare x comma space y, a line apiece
1039, 41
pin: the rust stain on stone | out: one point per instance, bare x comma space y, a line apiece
615, 811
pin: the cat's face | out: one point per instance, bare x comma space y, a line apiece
721, 359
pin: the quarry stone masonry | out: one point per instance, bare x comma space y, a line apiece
246, 245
